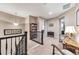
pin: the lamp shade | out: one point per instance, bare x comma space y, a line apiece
70, 29
77, 29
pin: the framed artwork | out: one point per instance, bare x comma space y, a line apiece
12, 31
51, 25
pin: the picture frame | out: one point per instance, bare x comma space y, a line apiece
51, 25
12, 31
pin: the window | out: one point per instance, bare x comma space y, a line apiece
77, 17
62, 29
62, 25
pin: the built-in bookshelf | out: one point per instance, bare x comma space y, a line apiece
33, 30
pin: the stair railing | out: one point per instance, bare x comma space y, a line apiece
18, 47
55, 47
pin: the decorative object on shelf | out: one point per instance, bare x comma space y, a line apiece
12, 31
69, 31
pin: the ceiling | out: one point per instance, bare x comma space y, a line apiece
35, 9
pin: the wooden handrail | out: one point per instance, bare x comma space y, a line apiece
11, 36
54, 46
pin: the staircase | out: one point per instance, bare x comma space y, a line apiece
57, 51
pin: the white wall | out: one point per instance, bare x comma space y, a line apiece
40, 24
6, 25
70, 20
54, 28
6, 22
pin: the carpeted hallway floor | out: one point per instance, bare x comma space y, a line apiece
45, 49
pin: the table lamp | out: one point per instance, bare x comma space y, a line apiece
70, 30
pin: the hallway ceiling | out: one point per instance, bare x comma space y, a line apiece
35, 9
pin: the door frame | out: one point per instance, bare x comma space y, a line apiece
60, 27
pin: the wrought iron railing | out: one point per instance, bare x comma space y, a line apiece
37, 37
14, 45
54, 48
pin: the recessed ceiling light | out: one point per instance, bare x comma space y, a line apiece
50, 13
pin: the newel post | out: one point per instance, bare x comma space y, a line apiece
53, 50
42, 36
25, 43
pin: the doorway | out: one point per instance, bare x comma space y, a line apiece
62, 28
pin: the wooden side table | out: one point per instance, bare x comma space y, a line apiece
71, 45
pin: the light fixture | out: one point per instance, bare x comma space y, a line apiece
16, 24
15, 20
50, 13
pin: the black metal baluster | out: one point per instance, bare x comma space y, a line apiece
6, 46
53, 50
0, 46
11, 46
25, 43
19, 45
42, 36
22, 46
15, 46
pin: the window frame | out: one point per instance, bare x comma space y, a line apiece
77, 18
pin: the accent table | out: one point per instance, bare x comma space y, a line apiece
71, 45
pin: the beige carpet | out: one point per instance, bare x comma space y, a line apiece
45, 49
